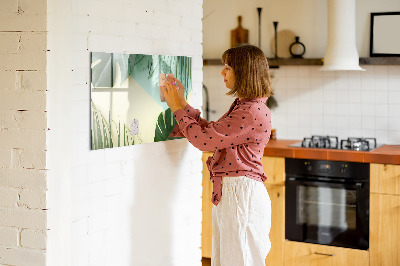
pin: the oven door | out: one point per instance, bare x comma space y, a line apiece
327, 213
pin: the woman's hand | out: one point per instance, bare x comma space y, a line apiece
174, 94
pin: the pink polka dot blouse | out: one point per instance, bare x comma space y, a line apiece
238, 139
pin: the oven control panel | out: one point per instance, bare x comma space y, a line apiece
338, 169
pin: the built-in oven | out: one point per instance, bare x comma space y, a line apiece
327, 202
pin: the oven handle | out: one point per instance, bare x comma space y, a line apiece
357, 185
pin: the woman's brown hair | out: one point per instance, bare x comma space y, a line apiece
250, 66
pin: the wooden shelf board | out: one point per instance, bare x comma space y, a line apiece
273, 62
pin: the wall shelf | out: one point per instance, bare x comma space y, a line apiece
274, 63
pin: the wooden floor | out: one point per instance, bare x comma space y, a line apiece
206, 261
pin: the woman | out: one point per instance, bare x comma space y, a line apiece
242, 208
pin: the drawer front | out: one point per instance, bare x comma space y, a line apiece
297, 253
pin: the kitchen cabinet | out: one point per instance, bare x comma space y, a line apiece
385, 178
305, 254
274, 168
206, 226
385, 215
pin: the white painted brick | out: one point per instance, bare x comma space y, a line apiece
33, 159
8, 6
23, 100
7, 80
30, 80
176, 7
9, 42
8, 237
98, 222
20, 217
23, 61
23, 22
190, 22
33, 239
36, 7
34, 140
17, 256
196, 10
23, 178
33, 199
96, 42
34, 120
5, 158
8, 197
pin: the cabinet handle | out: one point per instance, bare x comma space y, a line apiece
324, 254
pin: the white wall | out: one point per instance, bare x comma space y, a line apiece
311, 102
306, 19
137, 205
23, 133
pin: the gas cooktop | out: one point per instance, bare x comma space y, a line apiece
332, 142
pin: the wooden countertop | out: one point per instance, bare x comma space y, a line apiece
389, 154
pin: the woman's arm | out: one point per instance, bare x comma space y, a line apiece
176, 100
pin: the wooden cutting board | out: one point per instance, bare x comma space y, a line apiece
239, 35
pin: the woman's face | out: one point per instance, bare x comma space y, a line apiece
229, 76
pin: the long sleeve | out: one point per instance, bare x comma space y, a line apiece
231, 130
193, 113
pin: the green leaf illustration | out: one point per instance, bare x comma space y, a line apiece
165, 124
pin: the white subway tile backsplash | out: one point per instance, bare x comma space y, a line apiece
394, 137
382, 110
367, 110
368, 122
394, 71
381, 123
355, 109
367, 96
329, 109
394, 123
342, 122
355, 122
380, 71
304, 72
394, 82
394, 110
303, 82
367, 133
355, 96
292, 83
355, 132
344, 102
381, 84
342, 81
381, 97
382, 136
342, 96
394, 97
291, 71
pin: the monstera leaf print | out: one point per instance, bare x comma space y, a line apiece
165, 124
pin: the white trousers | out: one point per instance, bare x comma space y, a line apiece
241, 223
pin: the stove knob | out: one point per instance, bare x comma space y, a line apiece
343, 168
308, 166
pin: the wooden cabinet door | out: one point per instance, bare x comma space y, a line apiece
277, 233
274, 168
385, 178
304, 254
206, 226
384, 236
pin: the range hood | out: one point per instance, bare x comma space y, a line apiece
341, 51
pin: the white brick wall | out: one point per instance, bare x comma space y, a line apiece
23, 132
137, 205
